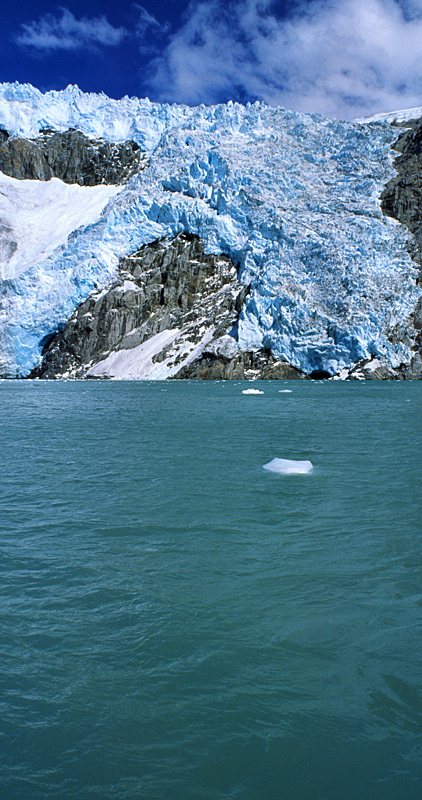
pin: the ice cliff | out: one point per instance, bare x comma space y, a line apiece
293, 200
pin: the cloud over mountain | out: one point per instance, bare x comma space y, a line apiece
64, 32
342, 58
338, 57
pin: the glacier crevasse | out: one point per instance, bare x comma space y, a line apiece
292, 198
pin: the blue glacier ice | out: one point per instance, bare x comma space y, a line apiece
292, 198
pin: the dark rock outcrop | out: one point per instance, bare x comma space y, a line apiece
248, 365
70, 156
402, 196
7, 244
402, 200
168, 285
380, 370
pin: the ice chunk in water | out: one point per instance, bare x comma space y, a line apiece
285, 391
286, 467
252, 391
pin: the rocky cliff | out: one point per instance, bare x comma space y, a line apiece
70, 156
402, 196
402, 199
170, 287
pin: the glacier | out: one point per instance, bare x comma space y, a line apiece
291, 198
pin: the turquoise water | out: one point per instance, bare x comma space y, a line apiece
179, 624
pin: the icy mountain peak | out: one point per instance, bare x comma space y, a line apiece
404, 115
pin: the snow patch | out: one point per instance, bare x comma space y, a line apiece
137, 363
36, 217
405, 115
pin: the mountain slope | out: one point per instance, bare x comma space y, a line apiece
292, 200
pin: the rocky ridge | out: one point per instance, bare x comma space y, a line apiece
70, 156
172, 287
402, 196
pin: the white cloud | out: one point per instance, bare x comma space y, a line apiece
344, 58
146, 22
65, 32
149, 32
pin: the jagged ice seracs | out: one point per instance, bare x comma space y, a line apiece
292, 198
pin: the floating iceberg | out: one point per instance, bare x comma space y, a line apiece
283, 466
252, 391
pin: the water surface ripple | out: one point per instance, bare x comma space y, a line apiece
177, 623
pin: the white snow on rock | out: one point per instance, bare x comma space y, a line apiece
136, 363
146, 361
292, 198
36, 217
283, 466
225, 347
405, 115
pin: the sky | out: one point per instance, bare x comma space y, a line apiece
341, 58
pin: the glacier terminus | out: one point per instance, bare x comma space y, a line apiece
274, 218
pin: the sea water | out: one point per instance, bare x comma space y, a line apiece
178, 623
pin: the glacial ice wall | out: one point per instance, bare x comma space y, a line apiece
292, 198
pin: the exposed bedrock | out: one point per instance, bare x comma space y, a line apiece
70, 156
250, 365
381, 370
402, 196
174, 294
402, 199
170, 285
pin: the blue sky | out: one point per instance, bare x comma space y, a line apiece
343, 58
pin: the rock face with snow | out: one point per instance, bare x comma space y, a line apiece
402, 196
171, 285
217, 362
70, 156
319, 280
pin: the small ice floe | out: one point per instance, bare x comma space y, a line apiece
285, 391
252, 391
286, 467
